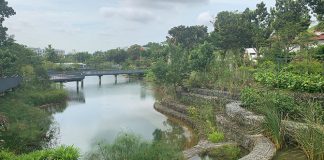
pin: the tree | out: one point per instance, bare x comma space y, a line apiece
259, 22
291, 18
156, 51
317, 7
82, 57
135, 51
187, 37
51, 55
201, 56
5, 12
231, 32
7, 62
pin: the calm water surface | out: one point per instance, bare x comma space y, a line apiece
101, 112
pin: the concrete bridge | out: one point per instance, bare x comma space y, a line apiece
78, 76
9, 83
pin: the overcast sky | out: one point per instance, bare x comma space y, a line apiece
91, 25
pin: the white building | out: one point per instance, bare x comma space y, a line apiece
39, 51
251, 54
320, 38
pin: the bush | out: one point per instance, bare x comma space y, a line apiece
216, 137
60, 153
228, 152
132, 147
273, 127
47, 97
310, 138
260, 101
288, 80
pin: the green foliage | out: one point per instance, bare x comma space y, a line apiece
187, 37
15, 57
310, 138
5, 12
197, 80
216, 137
201, 57
228, 152
7, 62
132, 147
29, 126
320, 26
273, 128
231, 31
51, 55
288, 80
291, 18
305, 66
260, 100
60, 153
48, 97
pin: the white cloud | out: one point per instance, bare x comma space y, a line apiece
137, 15
205, 18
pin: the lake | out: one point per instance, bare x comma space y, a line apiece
101, 112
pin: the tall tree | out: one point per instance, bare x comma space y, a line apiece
291, 18
201, 56
5, 12
260, 25
187, 37
51, 55
231, 32
317, 7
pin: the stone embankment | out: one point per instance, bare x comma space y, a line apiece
179, 111
202, 147
234, 121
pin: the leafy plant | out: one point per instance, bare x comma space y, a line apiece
273, 128
228, 152
132, 147
216, 137
60, 153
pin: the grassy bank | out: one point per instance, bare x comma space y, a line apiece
26, 127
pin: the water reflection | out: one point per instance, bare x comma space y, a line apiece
76, 96
97, 113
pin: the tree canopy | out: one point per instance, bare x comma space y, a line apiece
5, 12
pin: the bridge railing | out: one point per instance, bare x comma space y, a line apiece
112, 72
65, 75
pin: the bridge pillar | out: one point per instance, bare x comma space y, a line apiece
82, 84
115, 78
100, 80
77, 85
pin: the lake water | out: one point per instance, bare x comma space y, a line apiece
101, 112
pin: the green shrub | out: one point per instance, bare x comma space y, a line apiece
216, 137
310, 138
60, 153
287, 80
132, 147
47, 97
261, 100
305, 66
228, 152
273, 127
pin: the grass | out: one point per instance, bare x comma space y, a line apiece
27, 124
132, 147
310, 138
60, 153
273, 128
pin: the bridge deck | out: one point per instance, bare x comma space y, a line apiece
79, 76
